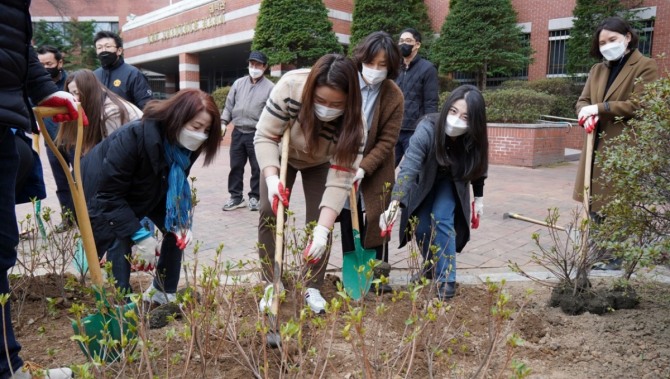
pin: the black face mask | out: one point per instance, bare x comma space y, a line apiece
53, 71
107, 59
406, 50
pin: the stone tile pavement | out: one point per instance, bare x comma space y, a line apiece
530, 192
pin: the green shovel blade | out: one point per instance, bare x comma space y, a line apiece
106, 334
356, 275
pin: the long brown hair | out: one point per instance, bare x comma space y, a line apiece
92, 95
339, 73
179, 109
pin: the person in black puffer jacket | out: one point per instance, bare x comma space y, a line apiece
23, 77
122, 78
419, 85
140, 171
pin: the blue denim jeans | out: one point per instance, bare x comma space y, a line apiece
168, 267
436, 221
9, 239
241, 150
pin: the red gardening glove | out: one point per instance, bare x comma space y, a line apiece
474, 222
277, 192
183, 238
63, 99
388, 217
589, 123
146, 254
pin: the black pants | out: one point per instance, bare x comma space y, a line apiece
241, 149
347, 234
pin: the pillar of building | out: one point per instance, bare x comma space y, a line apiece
170, 84
189, 70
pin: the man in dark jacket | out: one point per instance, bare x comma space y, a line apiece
419, 84
22, 76
52, 60
123, 79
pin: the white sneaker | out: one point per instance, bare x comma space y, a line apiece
54, 373
315, 301
153, 295
265, 305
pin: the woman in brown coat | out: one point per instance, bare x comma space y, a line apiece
605, 103
377, 58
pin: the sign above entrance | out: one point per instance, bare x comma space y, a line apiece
216, 17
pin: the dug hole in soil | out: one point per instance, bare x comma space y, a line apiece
627, 343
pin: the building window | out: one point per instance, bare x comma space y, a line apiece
646, 33
558, 60
59, 30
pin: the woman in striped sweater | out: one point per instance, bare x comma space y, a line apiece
322, 108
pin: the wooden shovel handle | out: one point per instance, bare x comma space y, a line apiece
353, 206
75, 185
279, 227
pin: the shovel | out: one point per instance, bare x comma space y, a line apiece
517, 216
273, 337
109, 322
356, 264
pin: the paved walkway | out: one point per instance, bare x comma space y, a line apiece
530, 192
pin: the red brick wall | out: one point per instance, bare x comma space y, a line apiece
526, 145
540, 12
119, 8
437, 11
529, 11
574, 138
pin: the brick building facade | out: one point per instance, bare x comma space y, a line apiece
204, 43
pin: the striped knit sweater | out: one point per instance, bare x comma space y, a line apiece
281, 111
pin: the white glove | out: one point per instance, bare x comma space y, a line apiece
276, 192
387, 219
359, 177
479, 206
587, 111
146, 253
317, 246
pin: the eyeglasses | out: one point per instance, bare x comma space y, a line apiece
408, 41
105, 47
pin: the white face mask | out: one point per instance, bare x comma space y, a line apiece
326, 114
613, 50
373, 76
255, 72
190, 139
456, 126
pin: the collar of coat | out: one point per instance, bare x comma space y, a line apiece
627, 70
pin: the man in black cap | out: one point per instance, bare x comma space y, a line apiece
244, 105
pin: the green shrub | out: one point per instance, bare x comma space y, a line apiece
517, 105
443, 97
447, 83
219, 95
513, 84
565, 90
636, 169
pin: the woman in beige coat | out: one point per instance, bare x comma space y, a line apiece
106, 111
605, 104
378, 61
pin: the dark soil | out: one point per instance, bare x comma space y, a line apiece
623, 343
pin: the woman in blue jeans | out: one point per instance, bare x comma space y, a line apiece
447, 153
141, 170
